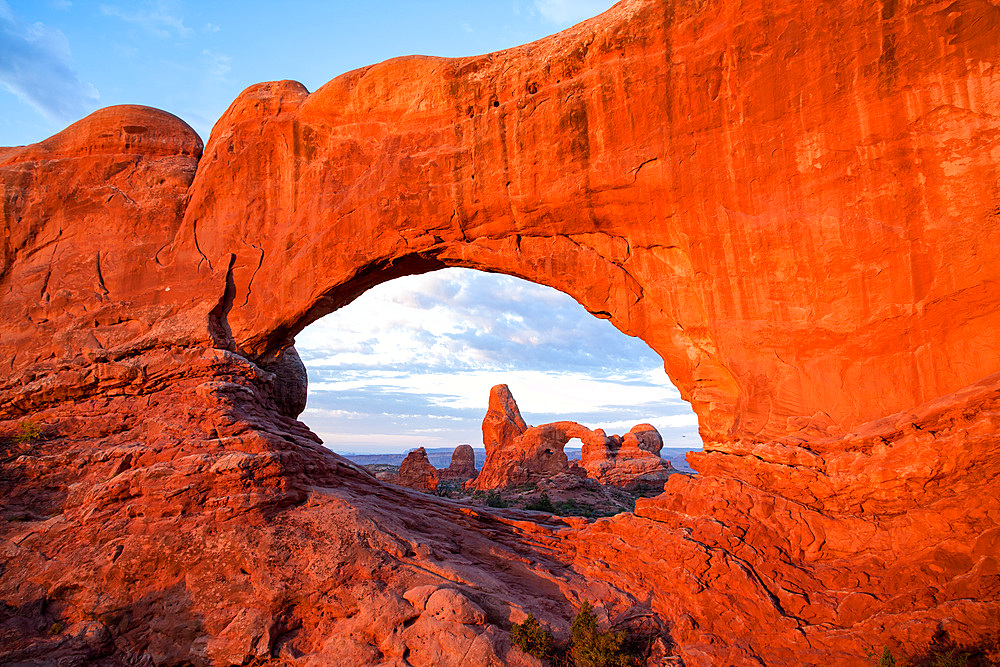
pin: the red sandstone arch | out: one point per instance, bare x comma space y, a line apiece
796, 205
772, 242
789, 247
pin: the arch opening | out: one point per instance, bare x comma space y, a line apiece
410, 363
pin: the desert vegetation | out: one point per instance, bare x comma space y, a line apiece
942, 651
588, 646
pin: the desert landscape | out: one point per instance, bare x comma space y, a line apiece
796, 205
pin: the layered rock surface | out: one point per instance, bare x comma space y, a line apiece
796, 205
416, 472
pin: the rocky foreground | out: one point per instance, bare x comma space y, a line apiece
796, 205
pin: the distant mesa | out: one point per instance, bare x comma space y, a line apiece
517, 454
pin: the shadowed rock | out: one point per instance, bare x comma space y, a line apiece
416, 472
462, 466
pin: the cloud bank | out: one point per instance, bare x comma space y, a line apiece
35, 66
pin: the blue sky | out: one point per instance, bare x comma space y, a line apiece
410, 363
61, 59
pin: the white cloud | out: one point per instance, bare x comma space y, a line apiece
379, 443
662, 423
216, 66
336, 414
542, 392
35, 66
161, 18
417, 357
460, 318
568, 12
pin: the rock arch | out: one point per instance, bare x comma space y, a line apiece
618, 199
796, 207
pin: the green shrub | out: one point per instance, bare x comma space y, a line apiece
951, 659
494, 499
885, 659
542, 504
532, 638
592, 648
28, 432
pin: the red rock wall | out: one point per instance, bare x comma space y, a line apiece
796, 204
816, 180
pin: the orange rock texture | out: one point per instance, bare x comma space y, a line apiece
797, 205
631, 461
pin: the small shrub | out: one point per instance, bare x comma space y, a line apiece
494, 499
532, 638
28, 432
592, 648
542, 504
951, 659
885, 659
575, 508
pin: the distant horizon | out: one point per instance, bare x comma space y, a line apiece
480, 448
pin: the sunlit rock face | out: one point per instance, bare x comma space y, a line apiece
796, 204
631, 461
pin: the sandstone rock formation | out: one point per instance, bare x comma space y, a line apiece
631, 461
462, 466
515, 453
795, 204
520, 454
503, 422
416, 472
